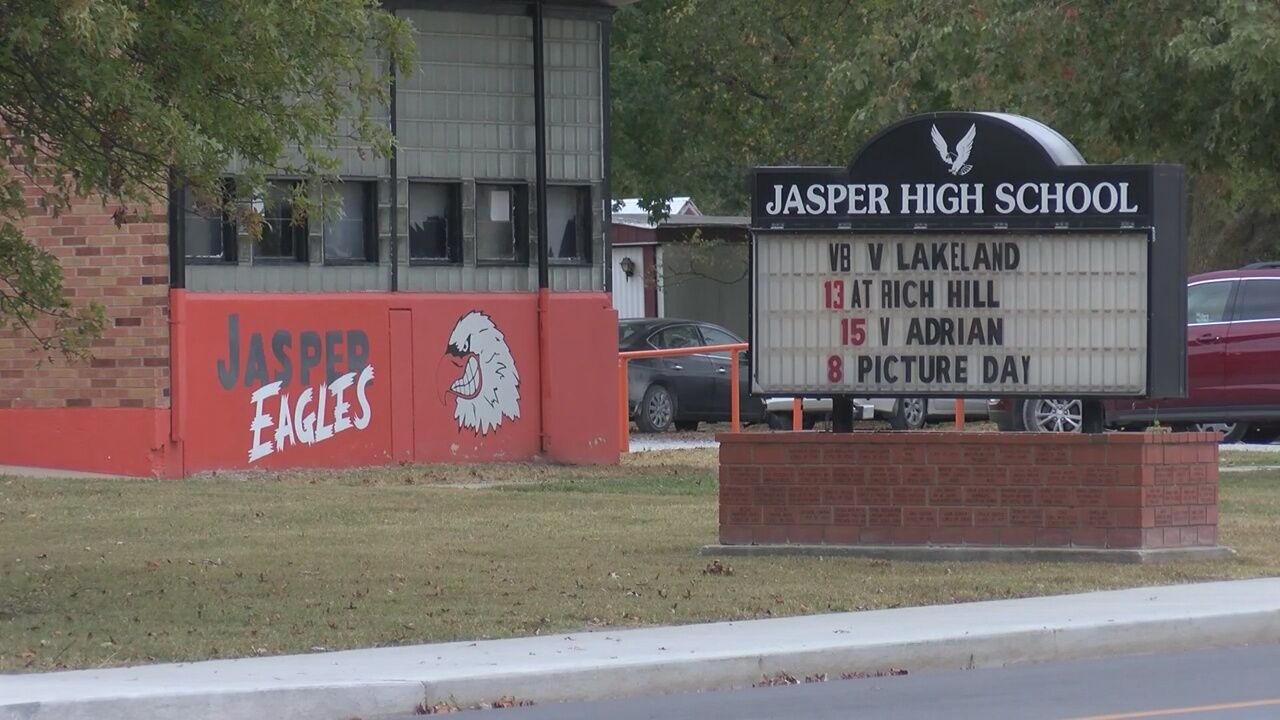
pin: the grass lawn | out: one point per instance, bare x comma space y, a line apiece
1245, 458
96, 573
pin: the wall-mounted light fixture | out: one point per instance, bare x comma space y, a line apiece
628, 266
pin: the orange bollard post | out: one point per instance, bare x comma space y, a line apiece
624, 419
959, 414
797, 415
735, 402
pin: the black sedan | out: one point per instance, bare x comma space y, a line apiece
684, 390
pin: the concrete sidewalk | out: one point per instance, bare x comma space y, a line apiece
596, 665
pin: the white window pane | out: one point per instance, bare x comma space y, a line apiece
344, 235
495, 240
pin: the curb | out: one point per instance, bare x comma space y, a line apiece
604, 665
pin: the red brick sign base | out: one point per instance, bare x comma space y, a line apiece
1116, 491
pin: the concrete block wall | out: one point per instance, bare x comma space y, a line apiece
1117, 490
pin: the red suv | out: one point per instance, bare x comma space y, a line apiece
1233, 367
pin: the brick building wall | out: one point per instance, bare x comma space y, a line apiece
1111, 491
126, 270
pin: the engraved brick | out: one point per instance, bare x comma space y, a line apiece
885, 516
849, 515
873, 495
955, 475
814, 515
1017, 496
993, 517
1060, 517
804, 495
1057, 496
839, 495
918, 516
1022, 517
882, 475
909, 496
919, 475
946, 495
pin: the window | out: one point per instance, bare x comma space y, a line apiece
351, 236
282, 237
1259, 300
501, 232
1207, 302
208, 232
569, 224
679, 336
435, 233
716, 336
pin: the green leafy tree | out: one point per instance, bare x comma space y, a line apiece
703, 90
115, 99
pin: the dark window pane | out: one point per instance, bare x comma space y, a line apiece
716, 336
433, 222
202, 233
208, 233
680, 336
497, 223
346, 236
282, 238
569, 223
1259, 300
1207, 302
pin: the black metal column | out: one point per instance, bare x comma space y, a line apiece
842, 414
540, 146
177, 234
1092, 417
394, 169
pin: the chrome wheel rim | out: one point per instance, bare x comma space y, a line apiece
1058, 415
1223, 429
913, 412
659, 409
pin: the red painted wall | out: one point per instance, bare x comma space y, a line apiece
117, 441
403, 377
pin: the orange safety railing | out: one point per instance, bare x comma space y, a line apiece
624, 402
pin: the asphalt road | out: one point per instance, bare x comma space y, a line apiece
1231, 684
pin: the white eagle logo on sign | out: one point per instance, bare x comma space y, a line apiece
479, 374
955, 163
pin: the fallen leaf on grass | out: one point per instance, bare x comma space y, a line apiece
891, 672
784, 678
715, 568
448, 708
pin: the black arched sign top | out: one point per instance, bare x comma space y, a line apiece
961, 170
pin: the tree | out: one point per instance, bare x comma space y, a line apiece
120, 98
703, 90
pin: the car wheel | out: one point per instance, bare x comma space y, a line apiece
687, 425
657, 410
1231, 432
908, 414
1263, 435
1053, 415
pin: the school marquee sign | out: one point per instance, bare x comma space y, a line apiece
969, 254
